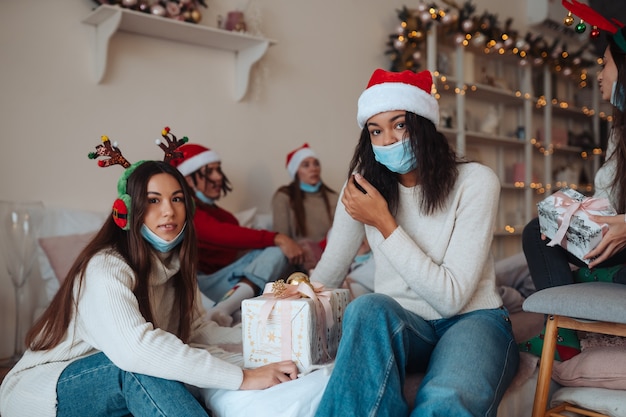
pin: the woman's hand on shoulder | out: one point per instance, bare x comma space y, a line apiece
269, 375
612, 242
367, 205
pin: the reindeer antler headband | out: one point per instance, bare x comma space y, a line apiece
587, 14
121, 206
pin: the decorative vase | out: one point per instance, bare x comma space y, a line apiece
22, 221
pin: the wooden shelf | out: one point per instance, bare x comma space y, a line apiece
106, 20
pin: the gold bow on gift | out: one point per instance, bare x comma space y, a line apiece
298, 286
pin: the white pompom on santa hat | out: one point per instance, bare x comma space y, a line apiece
295, 158
194, 158
406, 90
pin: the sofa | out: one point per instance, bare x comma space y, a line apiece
67, 230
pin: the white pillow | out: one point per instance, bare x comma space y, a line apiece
246, 217
602, 400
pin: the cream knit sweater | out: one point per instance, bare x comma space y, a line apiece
435, 266
109, 321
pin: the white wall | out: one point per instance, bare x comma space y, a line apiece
304, 89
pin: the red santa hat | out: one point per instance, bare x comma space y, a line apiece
406, 90
295, 158
194, 158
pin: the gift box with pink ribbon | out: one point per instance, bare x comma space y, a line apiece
301, 322
564, 218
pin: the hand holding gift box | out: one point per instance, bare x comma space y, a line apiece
299, 320
564, 218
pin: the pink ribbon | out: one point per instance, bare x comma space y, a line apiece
588, 205
323, 311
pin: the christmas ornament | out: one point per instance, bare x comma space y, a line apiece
595, 33
569, 20
581, 27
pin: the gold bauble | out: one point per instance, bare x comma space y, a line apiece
568, 20
298, 278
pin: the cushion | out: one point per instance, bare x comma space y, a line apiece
61, 251
59, 221
246, 217
600, 367
602, 301
601, 400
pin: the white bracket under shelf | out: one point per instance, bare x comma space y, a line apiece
106, 20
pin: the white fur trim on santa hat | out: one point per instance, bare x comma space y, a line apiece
396, 96
297, 158
191, 165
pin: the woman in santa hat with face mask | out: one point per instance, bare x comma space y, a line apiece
304, 209
429, 219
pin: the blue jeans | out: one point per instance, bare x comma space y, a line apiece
549, 266
259, 266
94, 387
469, 361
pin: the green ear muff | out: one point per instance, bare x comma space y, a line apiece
121, 206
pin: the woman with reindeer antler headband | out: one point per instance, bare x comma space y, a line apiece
550, 266
126, 332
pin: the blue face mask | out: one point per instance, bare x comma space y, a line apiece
159, 243
396, 157
359, 259
618, 96
202, 197
308, 188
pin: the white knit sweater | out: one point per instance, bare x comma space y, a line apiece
436, 266
109, 321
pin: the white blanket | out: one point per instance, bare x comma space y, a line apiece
299, 397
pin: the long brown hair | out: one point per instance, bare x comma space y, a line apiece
619, 181
296, 202
50, 329
436, 165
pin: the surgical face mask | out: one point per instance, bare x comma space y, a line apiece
308, 188
618, 96
396, 157
159, 243
202, 197
359, 259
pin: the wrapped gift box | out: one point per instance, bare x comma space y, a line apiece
276, 329
564, 218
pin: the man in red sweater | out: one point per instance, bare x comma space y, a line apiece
235, 262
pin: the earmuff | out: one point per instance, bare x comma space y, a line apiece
121, 206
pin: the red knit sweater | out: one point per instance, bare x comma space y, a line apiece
221, 239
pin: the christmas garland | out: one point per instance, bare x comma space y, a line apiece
463, 26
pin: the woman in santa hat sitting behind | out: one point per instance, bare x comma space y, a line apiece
304, 208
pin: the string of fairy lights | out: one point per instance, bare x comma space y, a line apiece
461, 25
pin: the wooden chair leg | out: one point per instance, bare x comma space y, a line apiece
545, 367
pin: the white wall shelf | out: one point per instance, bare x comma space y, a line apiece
106, 20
